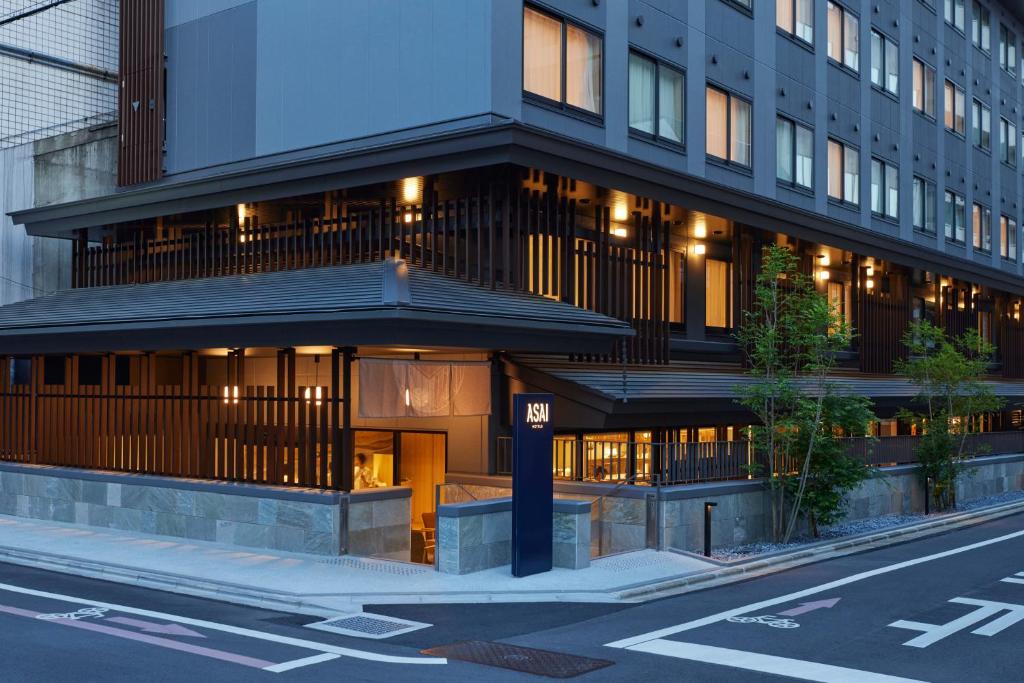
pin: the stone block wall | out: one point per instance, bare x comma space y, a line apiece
477, 535
740, 517
302, 521
379, 523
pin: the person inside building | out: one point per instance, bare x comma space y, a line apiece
363, 478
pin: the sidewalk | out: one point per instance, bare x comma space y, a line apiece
312, 583
326, 586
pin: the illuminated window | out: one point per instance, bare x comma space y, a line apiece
576, 82
1008, 238
923, 88
953, 111
843, 36
981, 224
717, 299
843, 172
796, 17
728, 127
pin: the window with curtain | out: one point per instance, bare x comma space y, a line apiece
1008, 238
400, 388
796, 17
884, 188
953, 111
884, 63
955, 216
794, 153
1007, 142
582, 69
716, 294
981, 29
953, 12
981, 125
843, 172
923, 77
656, 93
981, 223
542, 54
728, 126
924, 205
843, 36
1007, 49
576, 82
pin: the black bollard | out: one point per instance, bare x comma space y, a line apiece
707, 527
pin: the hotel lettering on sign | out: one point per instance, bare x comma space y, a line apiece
538, 415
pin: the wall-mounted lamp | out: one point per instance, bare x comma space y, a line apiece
231, 394
241, 213
699, 249
823, 275
619, 211
869, 271
411, 189
408, 397
869, 284
319, 395
700, 227
408, 216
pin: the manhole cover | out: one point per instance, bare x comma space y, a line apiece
524, 659
364, 625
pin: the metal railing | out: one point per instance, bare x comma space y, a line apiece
644, 463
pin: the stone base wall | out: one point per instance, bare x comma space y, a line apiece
379, 523
477, 535
237, 514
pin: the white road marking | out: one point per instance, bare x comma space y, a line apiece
1012, 580
633, 641
933, 633
297, 663
227, 628
770, 664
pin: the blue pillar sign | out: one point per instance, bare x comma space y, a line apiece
532, 490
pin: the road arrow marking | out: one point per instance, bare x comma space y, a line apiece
806, 607
152, 627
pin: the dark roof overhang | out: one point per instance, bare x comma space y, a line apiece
362, 304
497, 142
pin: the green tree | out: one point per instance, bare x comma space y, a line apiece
791, 335
951, 394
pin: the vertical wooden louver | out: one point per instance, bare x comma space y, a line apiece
141, 92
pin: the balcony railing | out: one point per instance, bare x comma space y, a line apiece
647, 463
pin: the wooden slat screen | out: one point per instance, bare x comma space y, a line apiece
141, 92
883, 322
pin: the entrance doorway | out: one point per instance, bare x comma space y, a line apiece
405, 458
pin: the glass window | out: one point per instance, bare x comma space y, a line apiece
796, 17
671, 91
954, 13
843, 37
545, 40
1007, 142
716, 294
1007, 49
794, 153
843, 172
1008, 238
924, 206
884, 188
583, 69
981, 125
981, 30
953, 111
542, 54
956, 216
981, 223
655, 98
885, 63
923, 87
728, 126
642, 97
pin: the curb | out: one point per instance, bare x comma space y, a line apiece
755, 567
296, 603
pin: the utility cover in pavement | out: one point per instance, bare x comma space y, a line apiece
364, 625
524, 659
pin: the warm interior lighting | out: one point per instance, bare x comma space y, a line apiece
823, 275
619, 232
699, 249
308, 395
408, 398
408, 216
870, 271
870, 284
700, 227
241, 213
411, 189
231, 393
825, 260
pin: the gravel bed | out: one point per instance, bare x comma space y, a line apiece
853, 528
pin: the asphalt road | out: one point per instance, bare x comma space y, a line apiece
947, 608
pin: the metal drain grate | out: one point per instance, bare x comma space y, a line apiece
523, 659
378, 566
375, 626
